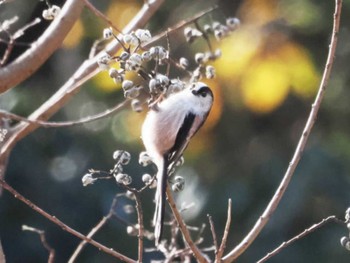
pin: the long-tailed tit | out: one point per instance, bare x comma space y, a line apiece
166, 133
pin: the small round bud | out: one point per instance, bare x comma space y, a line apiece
127, 84
144, 159
118, 168
199, 58
88, 179
130, 195
178, 186
143, 35
216, 25
219, 34
197, 75
128, 209
113, 73
233, 23
146, 56
132, 93
131, 230
127, 39
345, 242
136, 105
136, 58
103, 61
146, 178
209, 72
348, 225
107, 33
123, 179
184, 63
125, 158
217, 53
158, 52
207, 29
124, 56
188, 32
163, 80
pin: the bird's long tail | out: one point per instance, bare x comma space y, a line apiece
160, 199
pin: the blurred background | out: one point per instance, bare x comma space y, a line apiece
266, 81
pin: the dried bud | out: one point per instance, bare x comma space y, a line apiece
132, 93
209, 72
233, 23
128, 209
127, 84
107, 33
184, 63
143, 35
103, 61
199, 58
146, 56
136, 105
88, 179
123, 179
144, 159
123, 157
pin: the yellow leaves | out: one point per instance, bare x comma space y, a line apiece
265, 85
263, 71
121, 12
75, 35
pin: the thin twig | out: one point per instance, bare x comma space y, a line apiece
43, 240
2, 255
101, 15
213, 233
185, 233
51, 124
43, 48
140, 223
264, 218
299, 236
183, 23
94, 230
64, 227
226, 231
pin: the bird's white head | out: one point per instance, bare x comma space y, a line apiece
203, 96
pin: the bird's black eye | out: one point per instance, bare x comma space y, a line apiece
203, 91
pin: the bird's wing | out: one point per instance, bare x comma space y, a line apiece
190, 126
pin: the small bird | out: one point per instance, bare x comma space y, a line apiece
166, 132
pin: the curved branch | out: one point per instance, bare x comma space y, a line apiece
264, 218
42, 49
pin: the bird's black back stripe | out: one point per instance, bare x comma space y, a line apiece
183, 132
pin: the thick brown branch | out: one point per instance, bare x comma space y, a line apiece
42, 49
264, 218
65, 227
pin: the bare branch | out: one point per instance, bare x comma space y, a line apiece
65, 227
51, 124
101, 15
185, 233
42, 49
264, 218
2, 255
226, 231
212, 229
300, 236
43, 240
